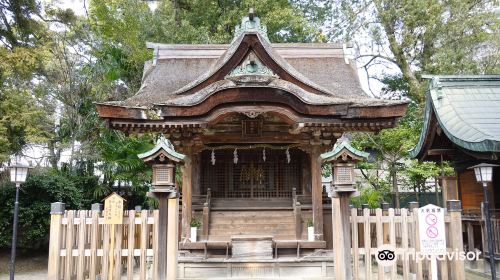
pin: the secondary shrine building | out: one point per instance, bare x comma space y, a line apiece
252, 118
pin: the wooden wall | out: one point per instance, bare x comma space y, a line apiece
470, 190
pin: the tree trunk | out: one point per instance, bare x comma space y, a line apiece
395, 186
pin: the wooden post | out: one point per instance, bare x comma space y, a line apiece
316, 191
56, 214
206, 221
161, 240
449, 188
342, 240
470, 242
413, 207
297, 211
172, 238
186, 198
385, 212
456, 241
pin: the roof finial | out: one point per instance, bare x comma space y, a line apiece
250, 24
251, 14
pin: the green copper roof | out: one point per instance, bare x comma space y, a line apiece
467, 109
165, 145
339, 147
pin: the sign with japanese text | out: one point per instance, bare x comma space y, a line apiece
113, 209
432, 230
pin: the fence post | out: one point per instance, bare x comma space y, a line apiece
342, 240
412, 206
456, 241
385, 212
172, 238
56, 214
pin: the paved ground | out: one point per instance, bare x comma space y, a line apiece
34, 267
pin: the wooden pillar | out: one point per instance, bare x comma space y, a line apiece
161, 258
196, 171
456, 241
342, 236
172, 238
56, 214
449, 188
186, 197
316, 192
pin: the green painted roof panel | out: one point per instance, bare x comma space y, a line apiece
165, 145
468, 110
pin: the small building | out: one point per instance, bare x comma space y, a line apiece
462, 126
252, 118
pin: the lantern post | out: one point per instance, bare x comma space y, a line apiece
164, 160
484, 174
343, 158
18, 175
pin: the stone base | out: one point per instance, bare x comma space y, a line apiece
261, 270
252, 247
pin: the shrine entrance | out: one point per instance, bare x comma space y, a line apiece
271, 172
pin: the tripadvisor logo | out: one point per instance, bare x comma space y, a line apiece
386, 255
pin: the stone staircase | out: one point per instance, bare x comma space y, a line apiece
226, 223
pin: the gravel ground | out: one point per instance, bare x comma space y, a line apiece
28, 266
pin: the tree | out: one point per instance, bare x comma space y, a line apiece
418, 173
421, 37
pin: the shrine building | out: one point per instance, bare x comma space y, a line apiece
252, 118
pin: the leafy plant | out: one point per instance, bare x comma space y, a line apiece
309, 222
195, 222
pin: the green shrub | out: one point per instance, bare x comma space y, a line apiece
35, 197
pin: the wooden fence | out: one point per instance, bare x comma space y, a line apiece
372, 228
80, 245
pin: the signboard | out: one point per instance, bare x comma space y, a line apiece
432, 230
113, 209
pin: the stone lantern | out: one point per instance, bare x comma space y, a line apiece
343, 157
164, 160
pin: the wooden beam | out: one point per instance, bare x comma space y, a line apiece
437, 152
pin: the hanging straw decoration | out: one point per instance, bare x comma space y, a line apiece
213, 157
287, 155
235, 154
264, 154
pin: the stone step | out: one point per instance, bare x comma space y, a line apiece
228, 237
260, 226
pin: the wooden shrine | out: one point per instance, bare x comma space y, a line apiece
252, 119
462, 126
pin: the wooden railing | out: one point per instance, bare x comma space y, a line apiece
252, 193
496, 238
80, 245
398, 228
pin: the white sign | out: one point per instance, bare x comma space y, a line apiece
432, 230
